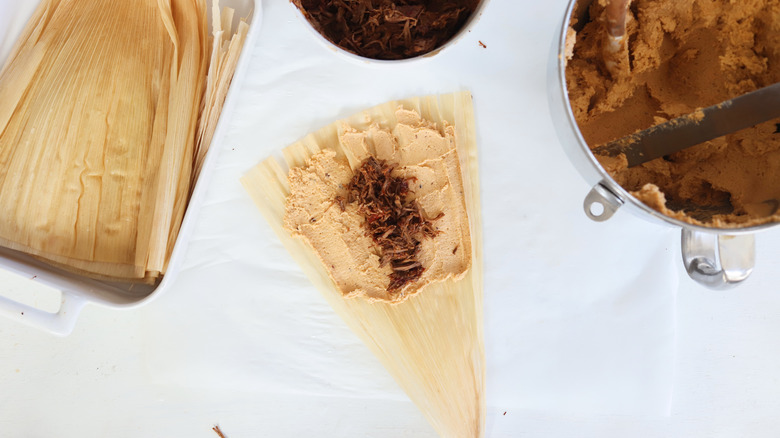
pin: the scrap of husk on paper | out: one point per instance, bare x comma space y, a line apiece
99, 107
431, 343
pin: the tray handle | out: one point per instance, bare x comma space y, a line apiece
60, 323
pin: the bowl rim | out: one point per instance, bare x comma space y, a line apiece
365, 61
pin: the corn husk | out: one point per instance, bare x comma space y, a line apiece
100, 104
224, 58
432, 343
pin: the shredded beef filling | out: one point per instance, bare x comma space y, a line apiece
394, 223
387, 29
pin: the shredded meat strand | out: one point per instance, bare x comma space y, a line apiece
395, 224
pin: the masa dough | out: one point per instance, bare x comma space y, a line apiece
420, 150
685, 55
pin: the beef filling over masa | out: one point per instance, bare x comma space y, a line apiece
386, 215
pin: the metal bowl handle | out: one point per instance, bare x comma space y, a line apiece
718, 261
601, 203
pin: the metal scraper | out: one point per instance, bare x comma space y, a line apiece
703, 125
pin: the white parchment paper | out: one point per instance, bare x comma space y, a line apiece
579, 316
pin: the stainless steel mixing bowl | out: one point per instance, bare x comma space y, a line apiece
718, 258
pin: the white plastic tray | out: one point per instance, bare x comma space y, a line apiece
77, 290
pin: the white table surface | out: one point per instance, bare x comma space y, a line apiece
591, 329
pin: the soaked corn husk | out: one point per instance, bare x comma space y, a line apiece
100, 103
432, 343
226, 45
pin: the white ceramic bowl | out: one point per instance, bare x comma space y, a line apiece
362, 60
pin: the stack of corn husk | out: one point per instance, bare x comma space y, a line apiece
101, 126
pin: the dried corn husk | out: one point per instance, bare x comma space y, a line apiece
224, 58
431, 343
99, 108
